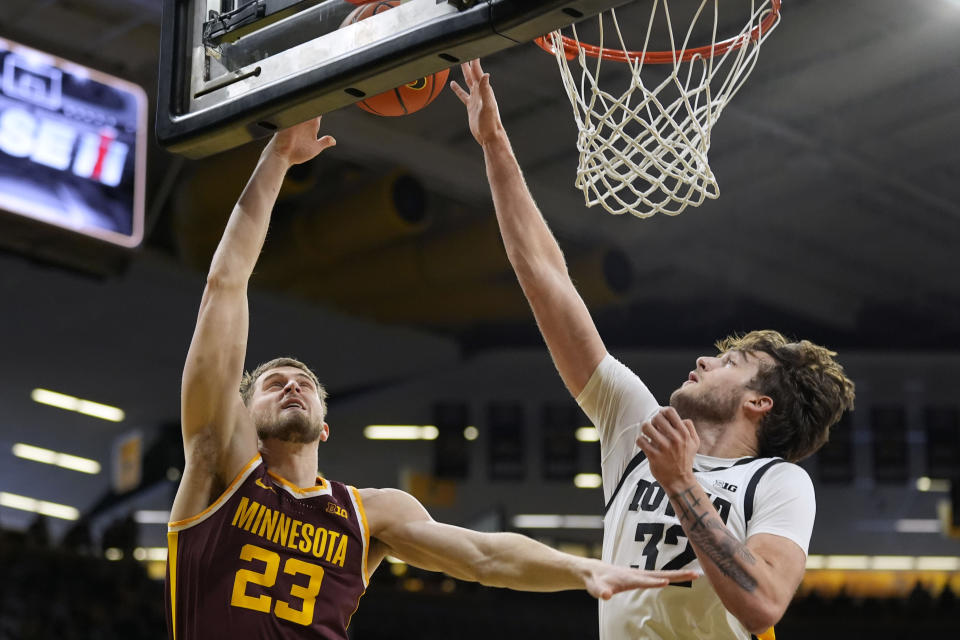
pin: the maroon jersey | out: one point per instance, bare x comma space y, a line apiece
268, 560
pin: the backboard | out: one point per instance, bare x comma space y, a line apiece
235, 70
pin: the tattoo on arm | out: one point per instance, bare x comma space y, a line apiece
708, 533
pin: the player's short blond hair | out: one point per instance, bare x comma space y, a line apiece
809, 388
250, 378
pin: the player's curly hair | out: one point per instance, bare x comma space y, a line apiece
810, 392
250, 378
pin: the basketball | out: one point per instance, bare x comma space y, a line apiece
407, 98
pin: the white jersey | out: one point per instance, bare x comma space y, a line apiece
752, 495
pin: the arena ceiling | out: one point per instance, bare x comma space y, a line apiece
837, 164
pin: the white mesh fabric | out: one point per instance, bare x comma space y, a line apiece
645, 150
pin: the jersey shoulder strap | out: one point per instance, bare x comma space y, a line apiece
752, 488
637, 459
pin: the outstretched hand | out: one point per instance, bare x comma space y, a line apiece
482, 111
300, 143
606, 580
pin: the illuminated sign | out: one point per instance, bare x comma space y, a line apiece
72, 146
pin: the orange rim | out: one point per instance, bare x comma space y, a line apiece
572, 47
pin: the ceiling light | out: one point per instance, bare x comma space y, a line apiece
552, 521
892, 563
471, 433
587, 434
938, 563
149, 554
588, 480
884, 563
151, 517
70, 403
42, 507
400, 432
917, 525
933, 484
847, 562
65, 460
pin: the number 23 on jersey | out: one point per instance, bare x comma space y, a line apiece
298, 612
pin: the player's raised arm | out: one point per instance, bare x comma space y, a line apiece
563, 318
406, 531
218, 436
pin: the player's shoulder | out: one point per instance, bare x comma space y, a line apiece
386, 499
388, 508
374, 494
780, 468
754, 473
779, 474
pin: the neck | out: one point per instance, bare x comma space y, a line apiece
736, 439
295, 462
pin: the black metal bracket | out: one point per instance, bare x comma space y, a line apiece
460, 4
220, 24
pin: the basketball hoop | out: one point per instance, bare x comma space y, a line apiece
645, 150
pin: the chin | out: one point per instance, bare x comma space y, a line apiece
675, 396
297, 428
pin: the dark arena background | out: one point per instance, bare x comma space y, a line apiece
838, 221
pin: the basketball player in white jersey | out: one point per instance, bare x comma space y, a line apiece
707, 482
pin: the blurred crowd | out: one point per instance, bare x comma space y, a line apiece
70, 592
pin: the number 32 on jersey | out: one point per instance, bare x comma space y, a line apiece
648, 497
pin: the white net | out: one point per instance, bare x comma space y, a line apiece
645, 150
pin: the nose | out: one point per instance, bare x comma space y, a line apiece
704, 362
292, 385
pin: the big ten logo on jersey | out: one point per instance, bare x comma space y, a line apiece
336, 509
726, 486
40, 123
665, 544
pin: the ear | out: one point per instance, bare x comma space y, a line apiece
324, 432
756, 405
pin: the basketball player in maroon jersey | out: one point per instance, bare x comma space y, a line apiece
259, 546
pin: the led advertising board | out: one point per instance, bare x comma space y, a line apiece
72, 148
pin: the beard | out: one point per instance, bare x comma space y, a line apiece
293, 426
712, 406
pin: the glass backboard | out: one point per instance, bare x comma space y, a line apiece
235, 70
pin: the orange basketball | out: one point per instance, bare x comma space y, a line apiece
406, 98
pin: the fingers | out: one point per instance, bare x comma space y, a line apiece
645, 441
683, 575
326, 142
671, 415
663, 422
460, 93
469, 76
485, 84
651, 440
668, 424
620, 580
666, 430
472, 72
